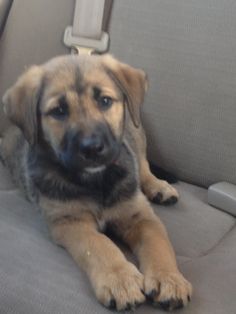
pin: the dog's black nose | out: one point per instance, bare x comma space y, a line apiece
91, 146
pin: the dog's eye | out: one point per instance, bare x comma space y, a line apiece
61, 111
105, 102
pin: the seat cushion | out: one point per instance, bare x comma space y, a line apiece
39, 277
194, 226
5, 180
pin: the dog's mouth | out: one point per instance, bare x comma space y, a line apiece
100, 167
76, 163
100, 164
93, 170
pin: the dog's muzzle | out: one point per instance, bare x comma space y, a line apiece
90, 150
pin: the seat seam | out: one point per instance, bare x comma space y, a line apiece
218, 242
208, 251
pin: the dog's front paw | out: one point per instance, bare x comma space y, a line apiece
168, 290
160, 191
165, 194
120, 288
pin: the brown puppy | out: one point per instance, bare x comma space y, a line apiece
80, 152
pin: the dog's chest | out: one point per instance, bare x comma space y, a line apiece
113, 185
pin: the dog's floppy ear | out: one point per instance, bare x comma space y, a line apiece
132, 82
20, 102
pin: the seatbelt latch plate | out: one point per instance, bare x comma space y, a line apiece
86, 45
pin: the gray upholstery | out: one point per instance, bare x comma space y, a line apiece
39, 277
188, 49
194, 226
5, 6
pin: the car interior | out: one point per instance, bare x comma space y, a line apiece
188, 51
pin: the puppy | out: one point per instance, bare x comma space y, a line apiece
78, 149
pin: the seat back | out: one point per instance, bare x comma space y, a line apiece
188, 50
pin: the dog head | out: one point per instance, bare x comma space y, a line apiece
75, 105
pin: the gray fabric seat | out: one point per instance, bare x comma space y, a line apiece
39, 277
188, 50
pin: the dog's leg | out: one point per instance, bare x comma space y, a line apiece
143, 231
156, 190
116, 282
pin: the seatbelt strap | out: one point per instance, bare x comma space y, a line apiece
86, 35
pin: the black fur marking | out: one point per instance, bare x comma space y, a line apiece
170, 201
79, 86
158, 198
115, 183
60, 112
162, 174
152, 294
74, 156
96, 93
112, 305
170, 305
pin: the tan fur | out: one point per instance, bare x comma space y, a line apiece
77, 224
23, 114
133, 82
